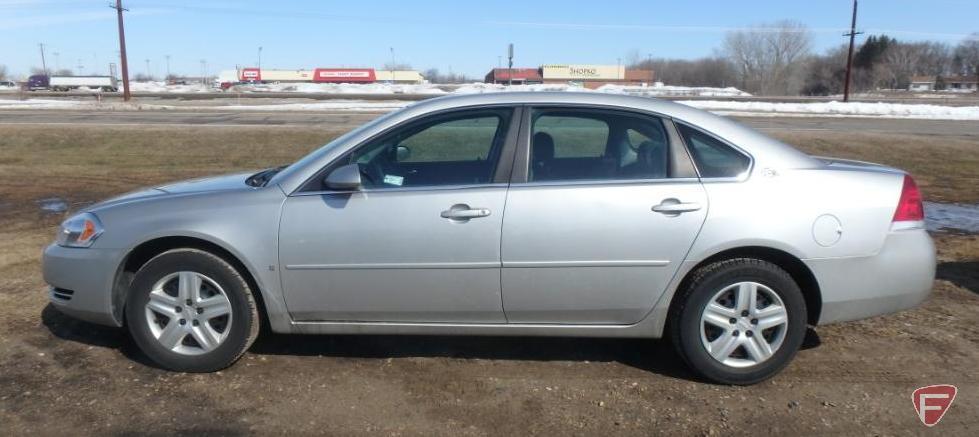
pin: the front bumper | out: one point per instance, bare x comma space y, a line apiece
81, 282
898, 277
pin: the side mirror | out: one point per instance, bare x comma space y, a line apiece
346, 178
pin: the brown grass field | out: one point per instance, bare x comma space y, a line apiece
59, 376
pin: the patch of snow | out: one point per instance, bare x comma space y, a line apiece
658, 89
340, 88
838, 109
951, 216
162, 87
331, 105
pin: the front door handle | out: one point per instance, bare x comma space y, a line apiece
675, 207
464, 212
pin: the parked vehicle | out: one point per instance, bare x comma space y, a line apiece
6, 85
37, 82
67, 83
625, 217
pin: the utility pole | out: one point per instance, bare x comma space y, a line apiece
509, 72
44, 64
122, 51
849, 56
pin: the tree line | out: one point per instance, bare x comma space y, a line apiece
777, 59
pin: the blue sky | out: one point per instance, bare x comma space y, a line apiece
463, 36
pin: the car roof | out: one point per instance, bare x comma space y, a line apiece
761, 147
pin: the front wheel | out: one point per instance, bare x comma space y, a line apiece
191, 311
740, 321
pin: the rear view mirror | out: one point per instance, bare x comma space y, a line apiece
346, 178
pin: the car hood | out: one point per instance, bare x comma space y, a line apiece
215, 183
200, 185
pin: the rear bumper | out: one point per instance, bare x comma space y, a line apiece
81, 282
898, 277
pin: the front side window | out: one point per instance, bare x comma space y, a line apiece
454, 149
713, 158
568, 145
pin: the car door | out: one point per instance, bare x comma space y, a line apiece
603, 208
420, 241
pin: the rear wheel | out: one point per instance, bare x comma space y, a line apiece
191, 311
740, 321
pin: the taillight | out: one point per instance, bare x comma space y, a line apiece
909, 208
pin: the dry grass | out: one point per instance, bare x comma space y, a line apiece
86, 163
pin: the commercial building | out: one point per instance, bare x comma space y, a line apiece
589, 76
520, 76
399, 76
328, 75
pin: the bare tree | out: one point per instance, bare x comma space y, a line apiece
769, 58
3, 72
967, 57
712, 71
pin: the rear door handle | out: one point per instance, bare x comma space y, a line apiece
675, 207
464, 212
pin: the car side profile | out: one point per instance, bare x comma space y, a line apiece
528, 214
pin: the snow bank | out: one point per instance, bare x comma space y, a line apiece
837, 109
331, 105
340, 88
161, 87
660, 90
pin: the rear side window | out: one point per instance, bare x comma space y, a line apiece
713, 158
579, 145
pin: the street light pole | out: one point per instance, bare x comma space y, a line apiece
122, 52
393, 63
509, 72
44, 64
259, 58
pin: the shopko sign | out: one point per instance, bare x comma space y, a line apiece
599, 72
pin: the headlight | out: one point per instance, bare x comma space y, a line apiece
80, 230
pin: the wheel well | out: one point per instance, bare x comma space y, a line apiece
141, 254
794, 266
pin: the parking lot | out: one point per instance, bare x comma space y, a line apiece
58, 375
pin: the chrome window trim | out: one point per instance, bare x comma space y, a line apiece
602, 182
402, 189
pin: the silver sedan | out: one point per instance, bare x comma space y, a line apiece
556, 214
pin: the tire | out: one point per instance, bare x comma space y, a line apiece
697, 330
170, 337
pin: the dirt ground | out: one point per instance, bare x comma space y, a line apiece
60, 376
